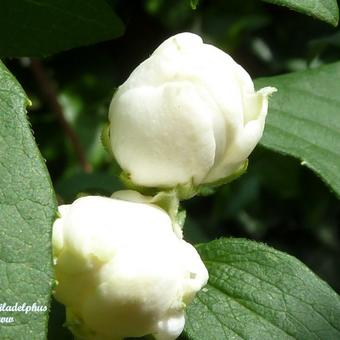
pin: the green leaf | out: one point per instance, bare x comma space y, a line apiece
324, 10
27, 211
37, 28
256, 292
304, 119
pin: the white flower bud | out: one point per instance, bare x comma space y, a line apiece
122, 271
187, 114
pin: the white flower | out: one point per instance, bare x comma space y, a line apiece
187, 114
122, 271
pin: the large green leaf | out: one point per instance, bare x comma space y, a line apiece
304, 119
27, 211
43, 27
255, 292
325, 10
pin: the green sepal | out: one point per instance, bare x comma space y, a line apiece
181, 216
209, 188
105, 139
187, 190
127, 182
183, 191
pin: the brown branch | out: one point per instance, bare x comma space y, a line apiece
49, 93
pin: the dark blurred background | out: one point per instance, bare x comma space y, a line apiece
277, 201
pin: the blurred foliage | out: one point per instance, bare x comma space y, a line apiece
277, 201
43, 27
